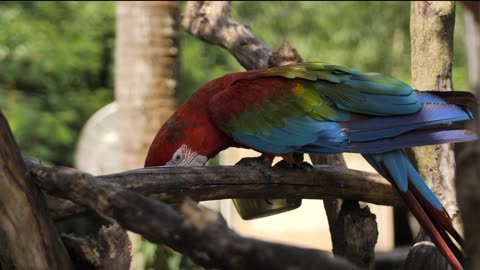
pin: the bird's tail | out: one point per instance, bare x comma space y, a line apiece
431, 125
421, 201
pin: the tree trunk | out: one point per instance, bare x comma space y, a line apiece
146, 76
468, 171
431, 29
28, 236
146, 73
353, 230
432, 25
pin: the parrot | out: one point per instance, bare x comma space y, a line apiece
321, 108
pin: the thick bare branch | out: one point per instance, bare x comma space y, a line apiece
172, 184
210, 21
28, 237
109, 250
197, 232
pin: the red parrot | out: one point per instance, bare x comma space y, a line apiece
315, 107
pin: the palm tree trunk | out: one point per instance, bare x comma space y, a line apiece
146, 73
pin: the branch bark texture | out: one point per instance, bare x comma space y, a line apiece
28, 237
172, 184
431, 26
197, 232
211, 22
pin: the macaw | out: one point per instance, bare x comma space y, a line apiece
315, 107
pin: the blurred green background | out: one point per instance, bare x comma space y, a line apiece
56, 59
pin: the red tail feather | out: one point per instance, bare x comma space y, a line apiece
435, 223
441, 217
437, 235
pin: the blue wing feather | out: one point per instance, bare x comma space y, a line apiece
373, 128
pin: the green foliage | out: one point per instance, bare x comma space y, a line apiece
55, 72
201, 62
343, 33
159, 257
459, 69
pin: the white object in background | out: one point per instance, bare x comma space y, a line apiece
98, 149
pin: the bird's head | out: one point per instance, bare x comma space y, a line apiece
177, 144
176, 155
189, 138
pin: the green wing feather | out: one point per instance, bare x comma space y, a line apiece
350, 90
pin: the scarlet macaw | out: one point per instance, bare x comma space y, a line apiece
315, 107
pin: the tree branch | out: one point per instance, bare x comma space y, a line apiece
173, 184
28, 236
197, 232
210, 21
110, 249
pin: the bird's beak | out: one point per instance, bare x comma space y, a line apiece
199, 160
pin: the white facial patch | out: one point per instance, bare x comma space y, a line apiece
184, 156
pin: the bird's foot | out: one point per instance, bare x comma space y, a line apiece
306, 166
294, 160
261, 163
303, 165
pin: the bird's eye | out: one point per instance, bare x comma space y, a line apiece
177, 156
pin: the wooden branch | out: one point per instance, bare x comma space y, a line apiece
353, 229
28, 237
173, 184
198, 232
210, 21
355, 234
109, 250
431, 28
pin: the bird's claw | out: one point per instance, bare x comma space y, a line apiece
302, 165
306, 166
258, 163
282, 164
